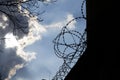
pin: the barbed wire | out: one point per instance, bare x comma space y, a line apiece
82, 9
69, 51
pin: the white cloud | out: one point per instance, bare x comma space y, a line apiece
12, 54
60, 24
3, 21
5, 18
12, 72
10, 41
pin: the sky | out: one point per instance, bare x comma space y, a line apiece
44, 63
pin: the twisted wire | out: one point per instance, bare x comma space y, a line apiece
70, 52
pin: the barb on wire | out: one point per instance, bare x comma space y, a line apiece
83, 9
69, 45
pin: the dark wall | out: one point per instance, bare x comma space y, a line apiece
100, 60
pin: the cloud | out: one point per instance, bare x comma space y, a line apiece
12, 54
38, 41
60, 24
55, 17
10, 41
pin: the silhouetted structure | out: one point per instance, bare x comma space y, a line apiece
100, 61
